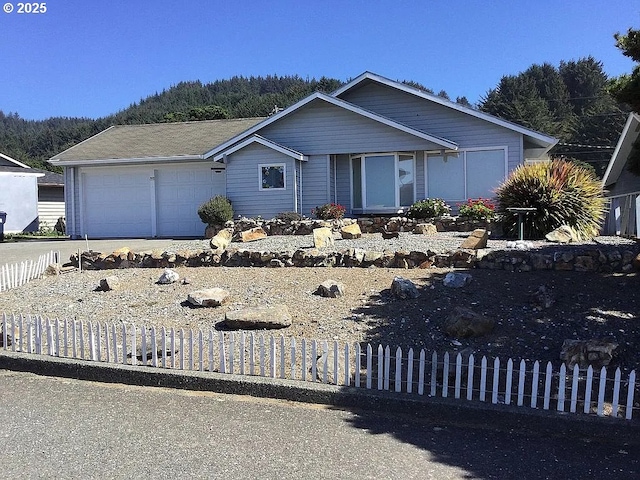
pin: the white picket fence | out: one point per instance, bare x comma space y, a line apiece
524, 384
17, 274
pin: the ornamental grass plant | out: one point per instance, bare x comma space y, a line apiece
563, 193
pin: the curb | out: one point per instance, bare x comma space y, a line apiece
441, 411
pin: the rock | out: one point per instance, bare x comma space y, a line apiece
350, 232
209, 297
636, 262
562, 234
221, 240
322, 237
476, 240
275, 263
333, 377
252, 235
464, 323
389, 235
109, 283
457, 280
541, 298
255, 318
168, 276
330, 289
186, 281
53, 270
425, 229
520, 245
597, 353
403, 288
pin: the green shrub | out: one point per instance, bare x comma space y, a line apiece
563, 193
216, 211
429, 208
329, 211
289, 216
477, 209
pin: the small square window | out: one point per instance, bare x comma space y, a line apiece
272, 176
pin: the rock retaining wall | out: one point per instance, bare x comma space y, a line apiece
582, 259
367, 225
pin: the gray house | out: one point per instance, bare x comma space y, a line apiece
623, 187
375, 146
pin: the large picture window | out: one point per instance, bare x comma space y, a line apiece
457, 176
383, 181
272, 176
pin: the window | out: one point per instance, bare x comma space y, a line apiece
272, 177
464, 174
383, 181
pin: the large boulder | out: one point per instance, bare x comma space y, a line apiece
464, 323
457, 280
109, 283
221, 240
168, 276
255, 318
403, 288
425, 229
597, 353
252, 235
331, 289
322, 237
476, 240
208, 297
349, 232
562, 234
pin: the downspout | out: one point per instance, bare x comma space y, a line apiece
295, 185
301, 194
335, 179
72, 201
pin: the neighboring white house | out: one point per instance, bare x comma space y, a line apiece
29, 196
375, 146
623, 187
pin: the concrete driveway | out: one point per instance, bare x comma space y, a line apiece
13, 252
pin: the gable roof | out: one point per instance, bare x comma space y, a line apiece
12, 161
153, 142
318, 96
630, 134
265, 142
537, 138
21, 171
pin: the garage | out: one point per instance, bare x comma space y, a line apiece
159, 201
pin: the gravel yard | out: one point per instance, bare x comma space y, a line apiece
603, 306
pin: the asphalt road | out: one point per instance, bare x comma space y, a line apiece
13, 252
61, 428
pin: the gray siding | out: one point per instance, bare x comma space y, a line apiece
343, 167
322, 128
242, 183
627, 183
467, 131
50, 205
420, 176
315, 191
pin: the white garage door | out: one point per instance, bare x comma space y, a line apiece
146, 202
180, 190
117, 202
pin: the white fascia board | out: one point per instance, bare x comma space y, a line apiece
22, 174
544, 140
339, 103
265, 142
623, 148
125, 161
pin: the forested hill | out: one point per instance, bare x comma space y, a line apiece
34, 142
570, 102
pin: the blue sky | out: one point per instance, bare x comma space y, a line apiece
90, 58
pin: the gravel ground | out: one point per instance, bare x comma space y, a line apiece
586, 305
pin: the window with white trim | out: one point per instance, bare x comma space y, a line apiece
272, 176
383, 180
470, 173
